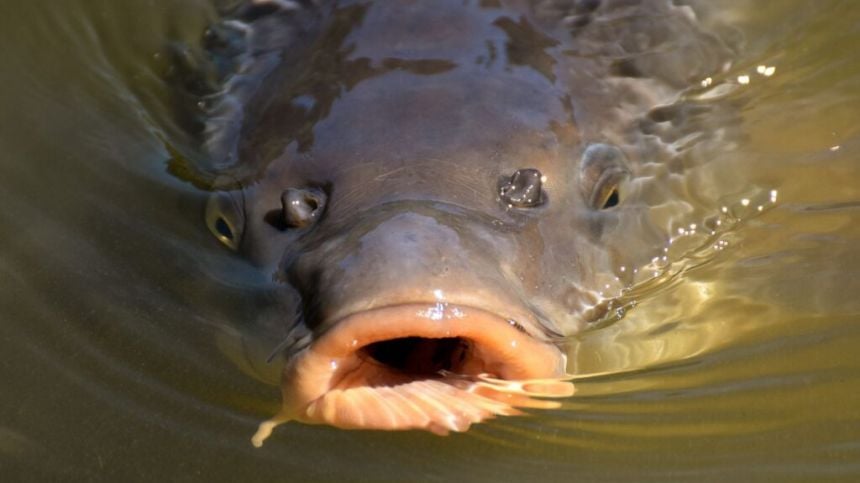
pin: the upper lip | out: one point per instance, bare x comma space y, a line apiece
433, 320
514, 315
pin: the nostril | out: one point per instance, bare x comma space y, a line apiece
302, 207
523, 189
312, 203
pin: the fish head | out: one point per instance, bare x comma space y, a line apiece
442, 225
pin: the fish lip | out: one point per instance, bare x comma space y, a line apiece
500, 349
434, 321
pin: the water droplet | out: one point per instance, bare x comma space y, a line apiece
765, 70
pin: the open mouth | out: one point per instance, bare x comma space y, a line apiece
419, 356
436, 367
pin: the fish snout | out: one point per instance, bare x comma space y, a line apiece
407, 257
415, 328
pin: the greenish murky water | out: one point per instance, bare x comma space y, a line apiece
743, 366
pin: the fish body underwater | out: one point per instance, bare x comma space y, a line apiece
440, 193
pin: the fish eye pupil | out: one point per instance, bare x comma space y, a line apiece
612, 200
223, 228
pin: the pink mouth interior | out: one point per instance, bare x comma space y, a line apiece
438, 368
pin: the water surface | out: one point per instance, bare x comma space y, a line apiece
113, 315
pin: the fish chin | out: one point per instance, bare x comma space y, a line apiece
438, 368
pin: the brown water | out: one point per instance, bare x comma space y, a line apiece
744, 365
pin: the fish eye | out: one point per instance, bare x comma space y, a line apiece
612, 200
225, 219
223, 230
602, 173
607, 191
